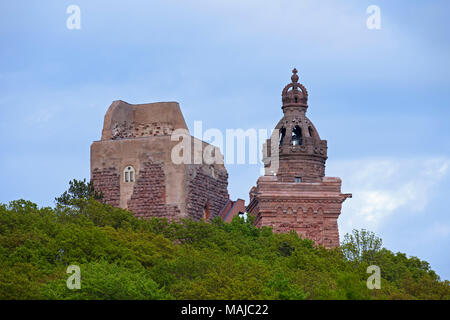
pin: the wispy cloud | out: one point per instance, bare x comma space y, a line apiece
384, 187
439, 230
330, 22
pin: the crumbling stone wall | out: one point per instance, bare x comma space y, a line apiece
126, 130
107, 181
149, 193
204, 191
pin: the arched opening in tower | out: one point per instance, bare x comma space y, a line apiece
311, 132
282, 134
296, 136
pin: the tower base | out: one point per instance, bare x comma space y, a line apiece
310, 209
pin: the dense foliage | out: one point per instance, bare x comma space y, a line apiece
122, 257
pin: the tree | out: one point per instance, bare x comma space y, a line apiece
78, 192
123, 257
361, 245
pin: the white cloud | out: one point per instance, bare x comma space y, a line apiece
384, 187
325, 23
439, 230
41, 116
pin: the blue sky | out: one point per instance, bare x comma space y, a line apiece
380, 97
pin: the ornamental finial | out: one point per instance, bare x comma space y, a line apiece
294, 77
294, 94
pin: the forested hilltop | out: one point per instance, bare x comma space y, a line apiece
122, 257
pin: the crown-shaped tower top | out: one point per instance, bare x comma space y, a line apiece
294, 94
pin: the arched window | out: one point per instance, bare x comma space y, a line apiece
296, 136
282, 134
128, 174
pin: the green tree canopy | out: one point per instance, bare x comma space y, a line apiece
122, 257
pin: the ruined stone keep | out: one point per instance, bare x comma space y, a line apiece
297, 195
132, 165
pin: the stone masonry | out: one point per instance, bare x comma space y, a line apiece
132, 165
133, 168
298, 196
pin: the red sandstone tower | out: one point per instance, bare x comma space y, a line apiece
296, 195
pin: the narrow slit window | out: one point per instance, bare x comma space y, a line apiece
206, 213
311, 132
282, 134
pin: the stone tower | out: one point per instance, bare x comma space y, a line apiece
294, 193
132, 165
